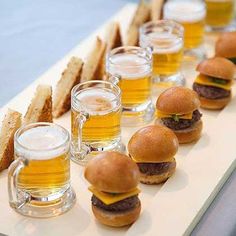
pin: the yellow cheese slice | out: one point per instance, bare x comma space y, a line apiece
109, 198
187, 116
204, 80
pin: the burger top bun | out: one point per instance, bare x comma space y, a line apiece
178, 100
226, 46
218, 67
112, 172
153, 144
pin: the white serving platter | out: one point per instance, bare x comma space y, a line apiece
173, 208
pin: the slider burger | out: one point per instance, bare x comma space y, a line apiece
177, 109
114, 178
214, 82
153, 149
226, 46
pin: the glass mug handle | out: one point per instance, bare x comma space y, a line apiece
17, 198
81, 119
115, 79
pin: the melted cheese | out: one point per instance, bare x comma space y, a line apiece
204, 80
187, 116
109, 198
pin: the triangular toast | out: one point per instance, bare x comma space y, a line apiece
69, 78
11, 122
141, 15
92, 69
40, 108
156, 9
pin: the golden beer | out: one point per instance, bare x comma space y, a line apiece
47, 172
168, 63
219, 12
191, 14
135, 78
103, 122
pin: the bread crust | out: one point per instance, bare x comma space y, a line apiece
69, 78
117, 219
11, 122
214, 104
218, 67
156, 9
112, 172
153, 144
178, 100
141, 16
93, 66
40, 108
113, 36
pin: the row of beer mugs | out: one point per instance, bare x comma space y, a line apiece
39, 179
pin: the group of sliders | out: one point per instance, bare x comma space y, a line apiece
114, 177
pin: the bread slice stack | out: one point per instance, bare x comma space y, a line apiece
11, 122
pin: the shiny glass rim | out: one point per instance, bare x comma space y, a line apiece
76, 87
143, 29
113, 52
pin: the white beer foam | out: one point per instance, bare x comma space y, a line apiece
97, 101
129, 66
184, 11
42, 142
163, 43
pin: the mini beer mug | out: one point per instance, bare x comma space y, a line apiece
165, 38
39, 178
220, 15
95, 119
191, 15
132, 68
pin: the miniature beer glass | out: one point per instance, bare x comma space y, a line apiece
165, 38
39, 178
95, 119
132, 68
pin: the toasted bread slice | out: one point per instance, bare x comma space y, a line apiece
141, 15
11, 122
40, 108
156, 9
92, 67
69, 78
113, 36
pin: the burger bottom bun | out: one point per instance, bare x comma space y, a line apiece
214, 104
117, 219
191, 134
157, 179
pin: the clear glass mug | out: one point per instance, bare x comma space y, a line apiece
191, 15
220, 15
39, 178
132, 68
95, 119
165, 38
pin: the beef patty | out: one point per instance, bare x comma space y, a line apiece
182, 123
123, 205
210, 92
156, 168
